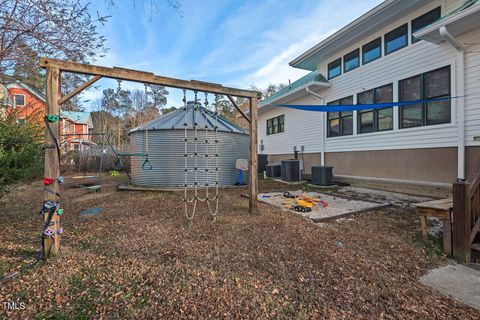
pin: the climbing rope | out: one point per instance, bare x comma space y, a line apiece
196, 170
213, 213
194, 199
146, 164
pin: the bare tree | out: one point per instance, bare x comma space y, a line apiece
55, 28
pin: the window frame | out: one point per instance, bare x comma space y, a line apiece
15, 100
437, 10
424, 97
336, 62
385, 42
345, 60
379, 40
340, 117
270, 126
374, 111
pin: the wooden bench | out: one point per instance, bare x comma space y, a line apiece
440, 209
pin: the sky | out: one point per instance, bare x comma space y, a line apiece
231, 42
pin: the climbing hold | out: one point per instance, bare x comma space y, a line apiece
49, 206
61, 179
60, 230
53, 118
48, 181
48, 233
59, 212
114, 173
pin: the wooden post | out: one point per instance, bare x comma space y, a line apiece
52, 162
253, 183
461, 221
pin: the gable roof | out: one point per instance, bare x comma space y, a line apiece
28, 88
77, 117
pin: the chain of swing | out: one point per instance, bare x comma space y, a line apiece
210, 198
146, 163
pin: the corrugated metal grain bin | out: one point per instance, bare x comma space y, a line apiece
166, 148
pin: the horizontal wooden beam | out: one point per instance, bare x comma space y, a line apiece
145, 77
238, 108
79, 89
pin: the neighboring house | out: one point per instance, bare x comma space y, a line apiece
400, 50
27, 102
76, 127
5, 101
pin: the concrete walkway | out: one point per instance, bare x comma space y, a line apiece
458, 281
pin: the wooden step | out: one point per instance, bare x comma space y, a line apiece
475, 246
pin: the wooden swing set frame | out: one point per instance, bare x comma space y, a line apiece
54, 100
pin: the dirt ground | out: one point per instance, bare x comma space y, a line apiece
138, 259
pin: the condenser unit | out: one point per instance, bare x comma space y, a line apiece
274, 170
291, 170
322, 176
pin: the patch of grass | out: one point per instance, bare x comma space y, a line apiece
60, 315
432, 249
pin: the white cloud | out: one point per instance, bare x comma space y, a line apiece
223, 42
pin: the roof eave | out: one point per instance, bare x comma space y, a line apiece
301, 88
432, 32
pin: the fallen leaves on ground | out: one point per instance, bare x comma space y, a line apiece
138, 259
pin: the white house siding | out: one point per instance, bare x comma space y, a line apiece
302, 127
472, 87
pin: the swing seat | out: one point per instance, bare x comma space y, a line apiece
147, 165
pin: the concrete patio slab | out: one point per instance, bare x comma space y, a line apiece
457, 281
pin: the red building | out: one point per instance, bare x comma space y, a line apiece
76, 126
29, 105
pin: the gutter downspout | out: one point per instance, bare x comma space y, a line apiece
461, 100
322, 161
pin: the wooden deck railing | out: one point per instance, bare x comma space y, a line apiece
466, 217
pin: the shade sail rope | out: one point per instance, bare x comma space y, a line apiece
356, 107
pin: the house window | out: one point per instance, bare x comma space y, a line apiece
351, 61
425, 20
372, 120
19, 100
340, 123
335, 68
431, 85
372, 51
276, 125
396, 39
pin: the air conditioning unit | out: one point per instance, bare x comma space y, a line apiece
291, 170
322, 176
274, 170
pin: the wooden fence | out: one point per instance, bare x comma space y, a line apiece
466, 217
